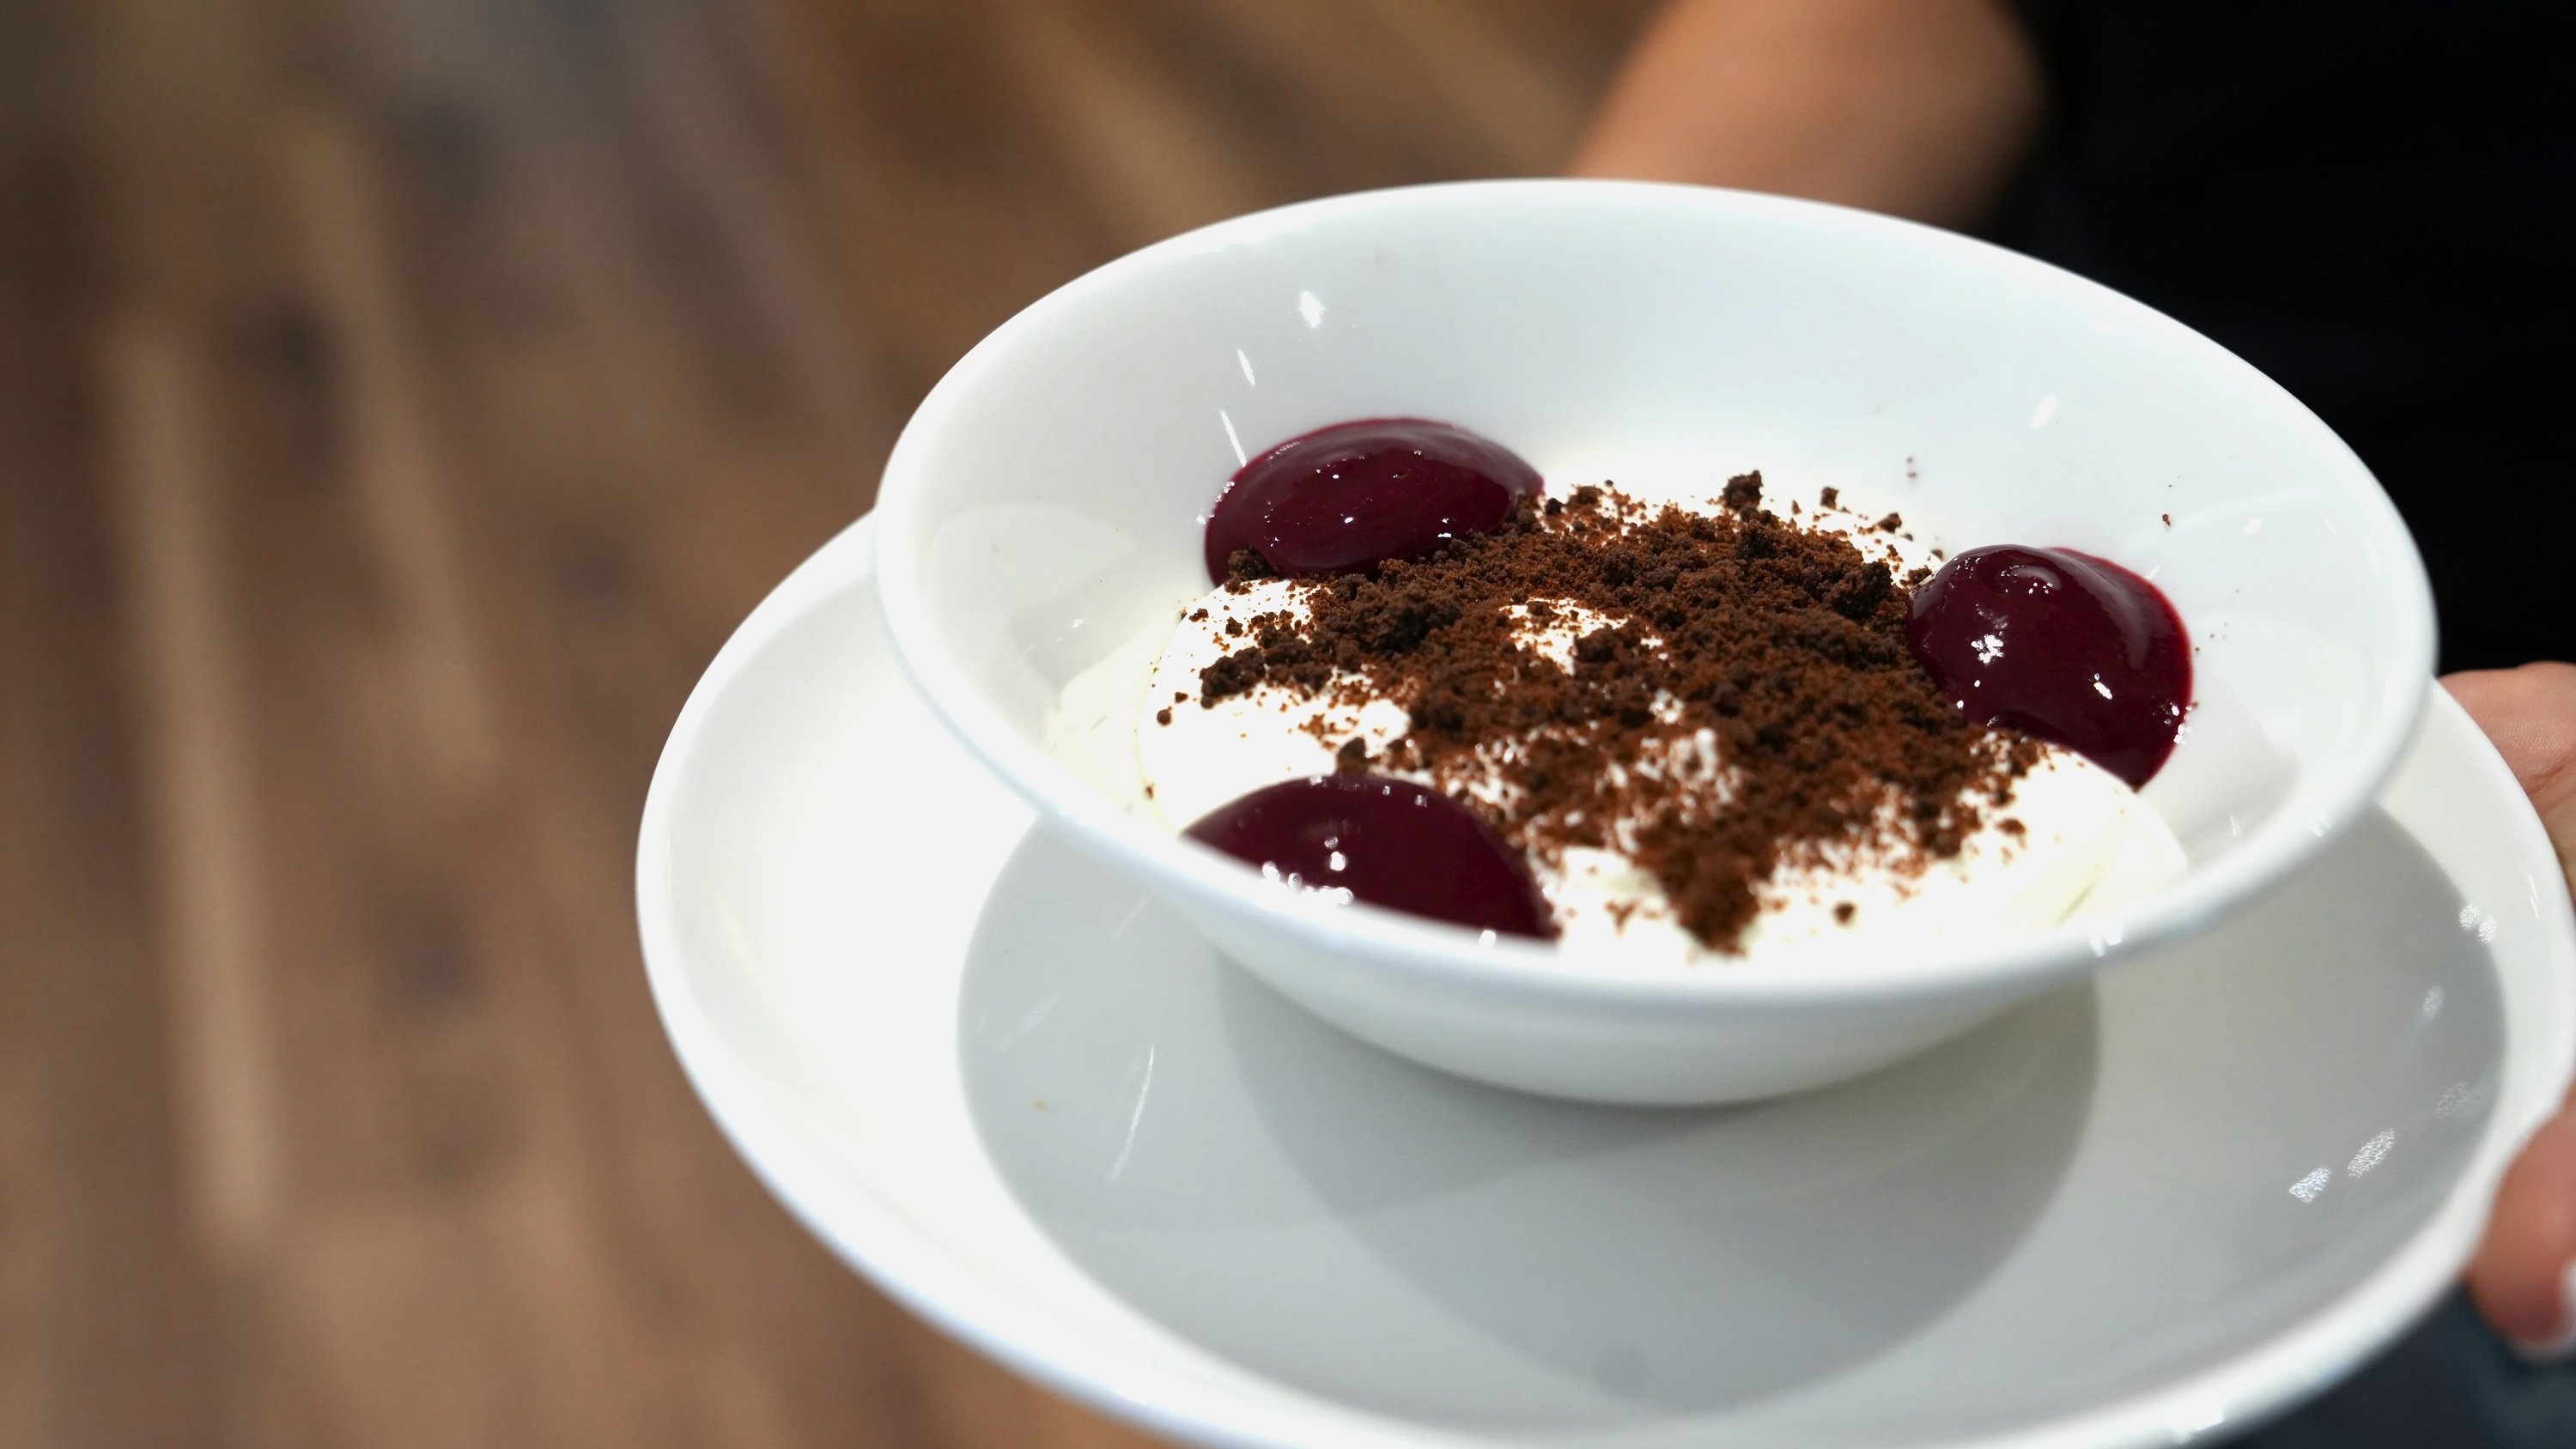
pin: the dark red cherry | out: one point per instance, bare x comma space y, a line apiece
2062, 645
1390, 843
1354, 495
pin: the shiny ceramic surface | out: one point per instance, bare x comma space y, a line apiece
1007, 1083
1039, 532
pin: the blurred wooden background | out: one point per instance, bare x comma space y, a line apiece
399, 402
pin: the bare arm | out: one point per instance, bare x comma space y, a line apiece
1921, 108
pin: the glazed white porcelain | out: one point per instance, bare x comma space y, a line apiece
1039, 529
1008, 1082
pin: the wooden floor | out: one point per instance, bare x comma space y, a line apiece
399, 402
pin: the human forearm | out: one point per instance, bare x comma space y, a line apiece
1921, 108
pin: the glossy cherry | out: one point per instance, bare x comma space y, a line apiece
1388, 842
1354, 495
2062, 645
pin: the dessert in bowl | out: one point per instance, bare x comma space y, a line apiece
1699, 726
1045, 534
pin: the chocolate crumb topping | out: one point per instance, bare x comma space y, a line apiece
1740, 698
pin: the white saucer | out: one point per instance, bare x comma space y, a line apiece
1038, 1110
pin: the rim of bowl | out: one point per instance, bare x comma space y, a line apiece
2197, 899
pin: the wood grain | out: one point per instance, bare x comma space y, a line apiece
399, 402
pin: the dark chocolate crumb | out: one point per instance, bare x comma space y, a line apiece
1891, 523
1163, 716
1244, 566
2168, 518
1843, 912
1743, 493
1785, 647
1830, 498
1352, 758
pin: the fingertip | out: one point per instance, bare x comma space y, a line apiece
2560, 1347
2523, 1278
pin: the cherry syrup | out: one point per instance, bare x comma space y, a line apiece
1388, 842
1354, 495
2062, 645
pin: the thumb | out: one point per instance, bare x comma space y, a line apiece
2524, 1275
2530, 716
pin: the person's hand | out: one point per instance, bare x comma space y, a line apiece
2524, 1275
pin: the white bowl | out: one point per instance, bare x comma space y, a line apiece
1039, 527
